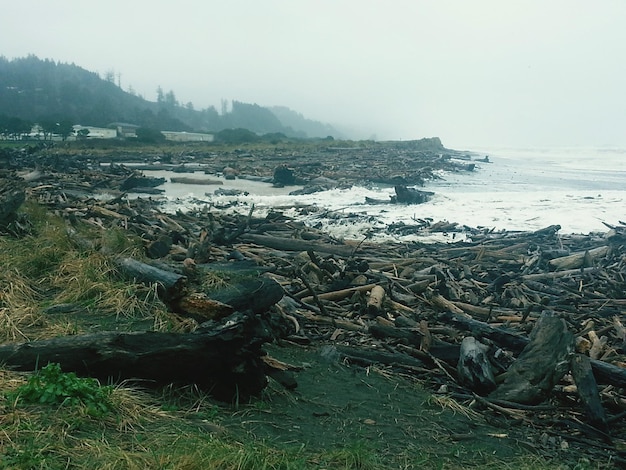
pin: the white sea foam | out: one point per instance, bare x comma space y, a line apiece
521, 189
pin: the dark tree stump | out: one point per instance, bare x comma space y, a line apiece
12, 195
541, 364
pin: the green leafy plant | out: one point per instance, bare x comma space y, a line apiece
51, 386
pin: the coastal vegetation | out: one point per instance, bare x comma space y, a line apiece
54, 94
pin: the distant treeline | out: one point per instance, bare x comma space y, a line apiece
49, 93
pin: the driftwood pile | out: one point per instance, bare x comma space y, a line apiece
529, 326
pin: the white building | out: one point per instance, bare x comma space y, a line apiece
187, 136
95, 132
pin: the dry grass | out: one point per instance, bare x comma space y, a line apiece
450, 404
62, 263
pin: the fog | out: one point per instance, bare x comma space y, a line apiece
480, 73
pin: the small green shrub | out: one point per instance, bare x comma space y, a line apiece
51, 386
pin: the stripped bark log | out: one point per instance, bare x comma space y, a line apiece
340, 294
581, 259
474, 369
375, 302
559, 274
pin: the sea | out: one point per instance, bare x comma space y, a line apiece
518, 189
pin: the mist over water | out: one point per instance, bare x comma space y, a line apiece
521, 189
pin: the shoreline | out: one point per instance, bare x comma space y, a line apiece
405, 308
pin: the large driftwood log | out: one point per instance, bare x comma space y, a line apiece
582, 259
223, 358
543, 362
293, 244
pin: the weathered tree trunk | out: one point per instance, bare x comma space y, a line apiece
171, 285
543, 362
224, 359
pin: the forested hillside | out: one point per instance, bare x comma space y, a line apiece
36, 90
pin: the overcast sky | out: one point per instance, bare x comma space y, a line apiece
474, 73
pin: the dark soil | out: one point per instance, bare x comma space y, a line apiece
341, 405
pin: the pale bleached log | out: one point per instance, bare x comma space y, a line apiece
558, 274
474, 368
340, 294
375, 301
580, 259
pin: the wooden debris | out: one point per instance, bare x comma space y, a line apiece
406, 195
491, 288
292, 244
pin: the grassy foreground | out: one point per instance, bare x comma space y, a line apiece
50, 419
